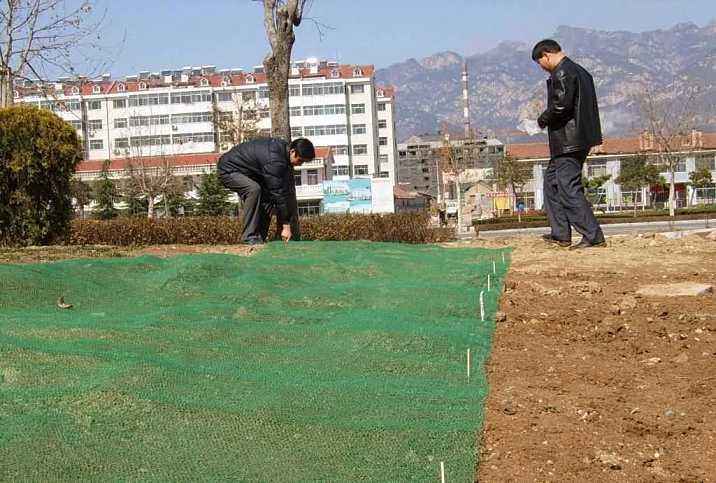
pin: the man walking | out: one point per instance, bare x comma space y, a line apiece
572, 119
261, 173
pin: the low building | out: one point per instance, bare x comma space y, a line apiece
698, 152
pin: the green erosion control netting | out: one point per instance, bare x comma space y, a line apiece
317, 360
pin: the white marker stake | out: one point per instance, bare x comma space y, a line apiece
442, 472
468, 365
494, 267
488, 282
503, 258
482, 306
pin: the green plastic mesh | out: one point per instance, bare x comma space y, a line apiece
313, 361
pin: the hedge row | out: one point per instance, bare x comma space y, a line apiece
132, 231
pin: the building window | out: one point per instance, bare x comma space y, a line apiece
323, 89
359, 129
324, 130
119, 103
120, 123
297, 178
324, 110
75, 91
190, 97
294, 111
296, 132
264, 93
247, 96
383, 158
121, 87
142, 86
382, 124
203, 137
294, 90
596, 170
94, 105
339, 150
121, 143
360, 169
148, 100
357, 89
381, 106
382, 141
250, 79
96, 90
96, 144
360, 149
357, 72
384, 174
312, 176
309, 208
357, 108
340, 170
204, 83
335, 74
224, 97
76, 124
94, 124
140, 141
193, 117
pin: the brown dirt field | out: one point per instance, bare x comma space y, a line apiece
590, 381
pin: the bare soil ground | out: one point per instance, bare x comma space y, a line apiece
590, 381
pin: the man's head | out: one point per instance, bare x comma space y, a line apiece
301, 151
548, 54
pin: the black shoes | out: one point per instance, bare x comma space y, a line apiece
587, 244
561, 243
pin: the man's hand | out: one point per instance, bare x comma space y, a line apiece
286, 233
541, 121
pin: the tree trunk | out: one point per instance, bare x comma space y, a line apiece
672, 190
7, 94
278, 66
150, 207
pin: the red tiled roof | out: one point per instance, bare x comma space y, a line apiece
610, 146
204, 159
388, 91
216, 79
120, 164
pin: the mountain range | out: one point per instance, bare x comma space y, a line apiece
505, 86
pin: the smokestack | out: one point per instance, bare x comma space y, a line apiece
466, 102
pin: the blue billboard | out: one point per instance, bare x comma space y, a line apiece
347, 196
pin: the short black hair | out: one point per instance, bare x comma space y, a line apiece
543, 46
304, 148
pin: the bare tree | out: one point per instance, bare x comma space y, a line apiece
236, 126
41, 37
669, 120
280, 17
150, 180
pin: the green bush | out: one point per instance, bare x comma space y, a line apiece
125, 231
38, 156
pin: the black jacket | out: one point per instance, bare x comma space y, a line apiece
572, 114
266, 162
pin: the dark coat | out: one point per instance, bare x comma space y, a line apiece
265, 161
572, 115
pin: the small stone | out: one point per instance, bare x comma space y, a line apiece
650, 319
614, 310
500, 317
699, 331
628, 303
651, 361
609, 459
509, 408
681, 358
669, 413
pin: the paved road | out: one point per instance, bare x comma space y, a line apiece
612, 229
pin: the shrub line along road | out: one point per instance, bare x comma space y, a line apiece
610, 229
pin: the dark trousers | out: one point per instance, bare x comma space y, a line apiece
565, 202
257, 208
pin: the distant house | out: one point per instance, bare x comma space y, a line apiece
407, 201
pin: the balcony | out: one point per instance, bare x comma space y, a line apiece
309, 191
315, 164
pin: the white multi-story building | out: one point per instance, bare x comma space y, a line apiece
178, 112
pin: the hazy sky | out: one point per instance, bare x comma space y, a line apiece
164, 34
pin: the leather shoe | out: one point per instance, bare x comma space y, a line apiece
551, 239
587, 244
